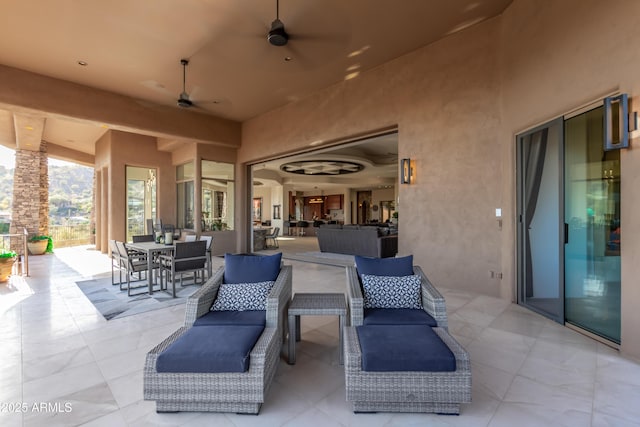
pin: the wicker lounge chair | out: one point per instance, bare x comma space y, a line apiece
240, 392
432, 301
396, 388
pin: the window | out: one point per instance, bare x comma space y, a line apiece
217, 195
141, 199
185, 195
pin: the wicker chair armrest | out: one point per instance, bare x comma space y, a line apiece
432, 301
354, 296
200, 302
262, 348
352, 352
279, 298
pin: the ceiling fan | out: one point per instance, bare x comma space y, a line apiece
277, 35
183, 100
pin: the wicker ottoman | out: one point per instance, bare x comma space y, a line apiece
406, 391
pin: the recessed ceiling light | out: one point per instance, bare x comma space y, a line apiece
82, 63
28, 127
352, 75
288, 58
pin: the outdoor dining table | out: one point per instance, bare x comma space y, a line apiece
151, 249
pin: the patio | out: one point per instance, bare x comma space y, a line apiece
60, 354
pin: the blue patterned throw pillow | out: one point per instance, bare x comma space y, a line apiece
391, 291
242, 296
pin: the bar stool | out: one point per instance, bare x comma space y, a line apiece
302, 225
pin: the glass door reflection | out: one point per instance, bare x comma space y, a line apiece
592, 217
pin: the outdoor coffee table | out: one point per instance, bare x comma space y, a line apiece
314, 304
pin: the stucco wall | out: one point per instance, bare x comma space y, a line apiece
116, 150
458, 105
443, 98
556, 57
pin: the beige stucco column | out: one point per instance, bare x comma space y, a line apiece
104, 209
97, 208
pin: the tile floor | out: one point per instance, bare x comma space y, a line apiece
63, 364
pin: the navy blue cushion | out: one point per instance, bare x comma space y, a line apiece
248, 317
397, 316
404, 348
402, 266
210, 349
251, 268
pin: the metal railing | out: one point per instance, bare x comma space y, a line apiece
17, 243
70, 235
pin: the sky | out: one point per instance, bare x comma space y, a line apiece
7, 159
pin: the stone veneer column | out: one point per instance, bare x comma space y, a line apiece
30, 207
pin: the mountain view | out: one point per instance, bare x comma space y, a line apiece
70, 194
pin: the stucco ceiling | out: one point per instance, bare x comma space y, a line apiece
134, 48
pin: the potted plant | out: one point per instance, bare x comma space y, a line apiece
7, 259
39, 244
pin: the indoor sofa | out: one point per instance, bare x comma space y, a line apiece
370, 241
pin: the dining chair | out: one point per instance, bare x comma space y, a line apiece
273, 237
133, 262
190, 238
209, 240
142, 238
149, 226
117, 263
187, 258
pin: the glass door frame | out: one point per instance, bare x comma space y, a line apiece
521, 254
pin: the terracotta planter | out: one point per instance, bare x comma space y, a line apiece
37, 247
6, 267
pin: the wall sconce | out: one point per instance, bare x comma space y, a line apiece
406, 171
618, 122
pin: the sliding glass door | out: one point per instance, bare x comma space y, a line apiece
592, 214
569, 224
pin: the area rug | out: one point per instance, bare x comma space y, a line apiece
113, 303
327, 258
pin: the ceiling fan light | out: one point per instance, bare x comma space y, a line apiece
277, 36
184, 103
